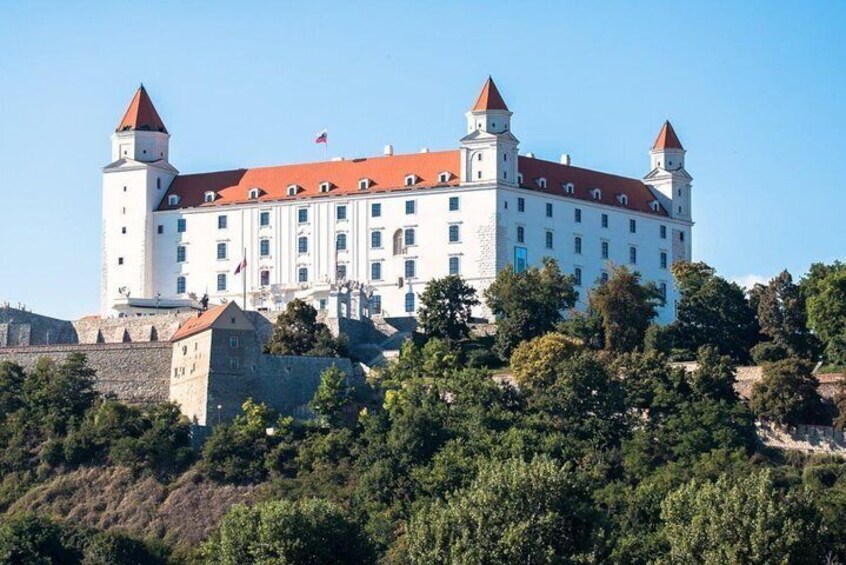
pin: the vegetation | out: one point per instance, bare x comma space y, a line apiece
445, 308
626, 307
297, 332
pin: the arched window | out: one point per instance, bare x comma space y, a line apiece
254, 193
293, 190
398, 242
363, 184
208, 196
541, 182
172, 200
411, 180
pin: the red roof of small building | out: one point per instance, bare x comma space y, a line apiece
201, 322
489, 98
667, 138
388, 174
141, 115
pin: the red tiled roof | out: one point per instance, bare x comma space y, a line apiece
384, 174
667, 138
141, 114
200, 323
387, 174
489, 98
584, 181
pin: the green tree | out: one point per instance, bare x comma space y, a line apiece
297, 332
332, 396
742, 521
827, 309
31, 540
514, 512
712, 311
445, 308
626, 307
236, 452
787, 394
528, 304
535, 363
110, 548
309, 531
783, 316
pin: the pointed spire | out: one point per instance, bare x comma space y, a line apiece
489, 98
141, 114
667, 138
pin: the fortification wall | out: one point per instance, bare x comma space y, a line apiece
160, 327
288, 383
133, 372
21, 328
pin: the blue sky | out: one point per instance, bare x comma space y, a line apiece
755, 91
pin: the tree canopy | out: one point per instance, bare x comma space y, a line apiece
445, 308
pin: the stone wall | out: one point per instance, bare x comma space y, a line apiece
288, 383
20, 328
133, 372
160, 327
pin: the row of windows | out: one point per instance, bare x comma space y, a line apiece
604, 248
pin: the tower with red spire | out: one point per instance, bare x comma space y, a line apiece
134, 183
668, 177
489, 150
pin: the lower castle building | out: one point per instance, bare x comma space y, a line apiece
363, 236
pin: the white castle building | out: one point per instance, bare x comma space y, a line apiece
361, 236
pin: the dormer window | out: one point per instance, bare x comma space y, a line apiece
363, 184
254, 193
411, 180
325, 186
541, 182
596, 194
569, 188
173, 200
444, 177
623, 199
209, 196
293, 189
656, 207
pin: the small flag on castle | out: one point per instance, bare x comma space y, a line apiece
241, 266
322, 137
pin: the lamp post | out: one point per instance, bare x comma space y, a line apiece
219, 407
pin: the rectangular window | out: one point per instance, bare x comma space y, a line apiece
577, 245
663, 289
342, 272
221, 282
453, 203
521, 259
376, 210
577, 274
663, 259
632, 226
604, 220
302, 245
521, 204
663, 232
180, 254
160, 229
341, 242
376, 271
234, 363
375, 304
454, 234
264, 219
549, 240
578, 215
264, 277
605, 250
409, 236
409, 302
302, 274
233, 341
120, 260
180, 285
180, 225
264, 247
521, 234
302, 215
123, 229
681, 236
221, 251
341, 213
454, 265
633, 255
410, 269
221, 222
376, 239
549, 209
410, 207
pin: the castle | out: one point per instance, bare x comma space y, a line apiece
357, 237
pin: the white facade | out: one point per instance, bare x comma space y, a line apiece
474, 220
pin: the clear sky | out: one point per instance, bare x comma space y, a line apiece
755, 90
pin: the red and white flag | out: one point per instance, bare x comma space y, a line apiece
322, 137
241, 266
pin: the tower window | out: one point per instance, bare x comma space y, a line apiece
633, 255
478, 156
120, 260
478, 174
123, 229
663, 260
221, 251
180, 254
159, 183
221, 282
521, 234
454, 265
577, 275
180, 285
549, 240
577, 245
681, 236
160, 229
605, 250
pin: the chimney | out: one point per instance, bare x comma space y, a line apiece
424, 150
565, 158
337, 158
530, 155
389, 150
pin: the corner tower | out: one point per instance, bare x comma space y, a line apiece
133, 185
668, 176
489, 150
